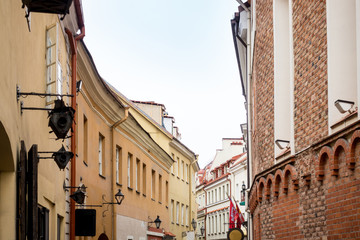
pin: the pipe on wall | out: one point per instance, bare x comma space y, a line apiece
73, 44
113, 183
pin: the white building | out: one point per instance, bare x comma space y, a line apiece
219, 180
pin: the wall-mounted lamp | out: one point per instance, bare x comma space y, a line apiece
78, 196
202, 230
61, 118
157, 222
61, 157
193, 224
282, 143
344, 106
243, 189
119, 197
79, 85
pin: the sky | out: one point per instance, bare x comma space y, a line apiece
177, 53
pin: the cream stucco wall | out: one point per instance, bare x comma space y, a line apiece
22, 63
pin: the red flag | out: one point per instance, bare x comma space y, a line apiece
240, 218
233, 214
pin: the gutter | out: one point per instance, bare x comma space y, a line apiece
73, 44
116, 124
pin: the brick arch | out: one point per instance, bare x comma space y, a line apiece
260, 188
290, 170
269, 183
354, 141
278, 179
341, 143
324, 152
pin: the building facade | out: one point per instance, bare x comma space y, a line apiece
182, 198
218, 181
35, 60
302, 94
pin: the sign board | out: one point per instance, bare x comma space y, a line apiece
85, 222
235, 234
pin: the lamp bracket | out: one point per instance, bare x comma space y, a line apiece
25, 94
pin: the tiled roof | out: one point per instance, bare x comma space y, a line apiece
218, 210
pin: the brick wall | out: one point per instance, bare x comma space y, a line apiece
310, 71
314, 194
263, 137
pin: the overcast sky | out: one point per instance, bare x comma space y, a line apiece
178, 53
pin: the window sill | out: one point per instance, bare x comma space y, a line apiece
85, 163
178, 177
160, 202
119, 184
152, 199
137, 192
144, 195
130, 188
183, 180
173, 174
103, 177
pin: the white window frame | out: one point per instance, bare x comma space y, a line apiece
101, 143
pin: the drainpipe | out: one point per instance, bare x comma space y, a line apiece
205, 210
190, 187
116, 124
73, 44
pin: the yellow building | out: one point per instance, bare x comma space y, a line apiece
182, 206
35, 58
115, 152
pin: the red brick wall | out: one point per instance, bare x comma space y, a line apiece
310, 72
263, 137
286, 216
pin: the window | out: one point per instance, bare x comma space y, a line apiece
215, 195
172, 166
224, 228
144, 179
182, 214
182, 170
130, 170
179, 167
186, 173
223, 191
59, 223
177, 212
53, 67
167, 192
101, 155
187, 215
160, 188
118, 164
215, 228
43, 223
85, 140
137, 175
172, 211
153, 184
220, 196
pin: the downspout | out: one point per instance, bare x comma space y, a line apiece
116, 124
205, 210
190, 187
73, 43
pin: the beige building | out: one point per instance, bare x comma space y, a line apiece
35, 58
115, 152
182, 208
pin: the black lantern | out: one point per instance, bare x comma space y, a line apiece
157, 222
62, 157
193, 224
119, 197
243, 189
78, 196
61, 118
202, 230
46, 6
